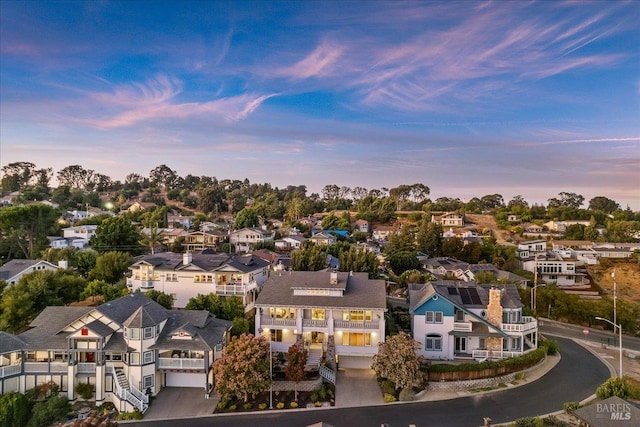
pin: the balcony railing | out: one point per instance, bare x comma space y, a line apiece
273, 321
231, 289
462, 326
7, 371
528, 323
353, 350
86, 368
346, 324
45, 367
314, 323
180, 363
146, 284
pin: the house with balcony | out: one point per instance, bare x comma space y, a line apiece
552, 267
128, 349
449, 219
13, 270
246, 239
201, 240
184, 276
323, 238
531, 248
338, 316
463, 320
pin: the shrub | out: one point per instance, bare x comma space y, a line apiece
613, 387
406, 395
294, 404
570, 407
511, 364
553, 421
322, 392
135, 415
314, 395
280, 405
14, 409
247, 406
388, 387
262, 406
389, 398
528, 422
519, 376
551, 346
318, 404
85, 390
233, 408
49, 411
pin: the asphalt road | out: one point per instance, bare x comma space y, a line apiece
595, 335
575, 378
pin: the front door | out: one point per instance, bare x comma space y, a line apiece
461, 345
317, 337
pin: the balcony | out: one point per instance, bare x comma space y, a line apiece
86, 368
180, 363
495, 354
45, 367
352, 350
314, 323
231, 289
462, 326
146, 284
345, 324
528, 324
7, 371
267, 321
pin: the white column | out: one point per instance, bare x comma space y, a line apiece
71, 379
100, 380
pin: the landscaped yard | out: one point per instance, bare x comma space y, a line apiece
323, 396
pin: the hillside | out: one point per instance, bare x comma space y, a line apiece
627, 279
503, 237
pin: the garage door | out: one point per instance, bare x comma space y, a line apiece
355, 362
179, 379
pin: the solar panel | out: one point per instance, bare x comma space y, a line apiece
464, 295
475, 297
452, 290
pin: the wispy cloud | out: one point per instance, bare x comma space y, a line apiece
320, 62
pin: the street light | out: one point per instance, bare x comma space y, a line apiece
270, 369
534, 296
620, 330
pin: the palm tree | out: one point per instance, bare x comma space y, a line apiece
153, 239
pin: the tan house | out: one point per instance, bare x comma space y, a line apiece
448, 219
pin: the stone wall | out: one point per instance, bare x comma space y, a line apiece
494, 316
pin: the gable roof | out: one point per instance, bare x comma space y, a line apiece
16, 266
206, 330
46, 329
10, 342
124, 308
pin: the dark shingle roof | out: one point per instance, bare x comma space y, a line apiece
99, 328
360, 292
16, 266
10, 342
45, 332
121, 309
207, 331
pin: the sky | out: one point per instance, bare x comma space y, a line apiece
468, 98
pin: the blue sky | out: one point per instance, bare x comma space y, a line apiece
468, 98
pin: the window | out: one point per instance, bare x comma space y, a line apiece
148, 333
433, 317
148, 357
134, 359
433, 342
134, 333
317, 314
459, 315
356, 339
356, 315
276, 335
147, 381
282, 313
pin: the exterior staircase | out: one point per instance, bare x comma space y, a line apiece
125, 392
313, 358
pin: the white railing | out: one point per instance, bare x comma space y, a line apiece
230, 289
272, 321
180, 363
36, 366
495, 354
129, 395
528, 323
346, 324
59, 367
314, 323
327, 374
6, 371
86, 367
462, 326
353, 350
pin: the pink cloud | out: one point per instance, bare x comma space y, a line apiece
317, 63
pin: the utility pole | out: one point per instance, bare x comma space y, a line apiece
615, 295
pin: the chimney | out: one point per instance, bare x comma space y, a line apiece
494, 316
333, 279
63, 263
187, 258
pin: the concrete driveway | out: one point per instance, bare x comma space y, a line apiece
357, 387
181, 402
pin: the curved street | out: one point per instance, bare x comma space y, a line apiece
575, 378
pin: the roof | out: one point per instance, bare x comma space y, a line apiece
601, 414
45, 332
359, 290
16, 266
207, 331
10, 342
205, 260
464, 294
121, 310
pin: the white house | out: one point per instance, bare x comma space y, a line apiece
290, 243
362, 225
127, 349
13, 270
323, 239
551, 267
246, 239
448, 219
530, 248
201, 240
184, 276
336, 315
457, 320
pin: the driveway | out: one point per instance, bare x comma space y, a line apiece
181, 402
357, 387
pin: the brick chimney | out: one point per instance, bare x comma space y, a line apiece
494, 316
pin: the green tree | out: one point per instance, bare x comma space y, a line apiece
294, 370
107, 291
243, 369
398, 362
310, 258
359, 260
111, 266
429, 238
603, 204
14, 410
574, 232
246, 218
227, 308
401, 242
240, 326
165, 300
47, 412
403, 261
84, 261
28, 226
117, 234
153, 239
